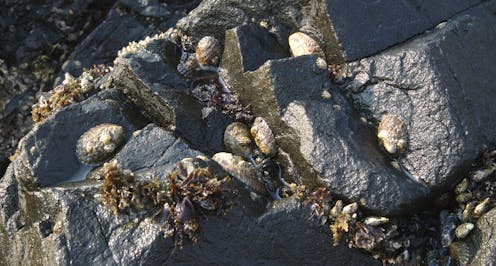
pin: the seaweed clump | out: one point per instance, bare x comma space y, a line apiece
177, 204
70, 91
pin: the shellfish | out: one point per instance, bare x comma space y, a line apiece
302, 44
237, 139
392, 133
463, 229
99, 143
264, 138
208, 51
242, 170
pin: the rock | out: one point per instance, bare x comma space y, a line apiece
48, 153
440, 83
149, 78
86, 232
481, 242
359, 29
121, 26
315, 132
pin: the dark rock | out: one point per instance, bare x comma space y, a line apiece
481, 242
213, 18
361, 28
48, 153
127, 21
85, 232
441, 84
149, 78
323, 137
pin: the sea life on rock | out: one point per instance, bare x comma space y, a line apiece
115, 188
448, 226
375, 220
481, 208
463, 229
350, 208
392, 133
208, 51
488, 166
237, 139
188, 65
462, 186
302, 44
264, 138
468, 212
461, 252
99, 143
240, 169
464, 197
337, 209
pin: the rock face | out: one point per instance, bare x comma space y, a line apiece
67, 223
439, 84
148, 77
361, 28
48, 152
323, 137
481, 244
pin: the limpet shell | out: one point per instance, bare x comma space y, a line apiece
99, 143
392, 133
208, 51
463, 229
237, 139
264, 138
302, 44
240, 169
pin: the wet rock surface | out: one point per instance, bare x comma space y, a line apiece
52, 143
445, 103
314, 131
145, 205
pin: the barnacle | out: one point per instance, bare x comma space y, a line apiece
392, 133
302, 44
237, 139
208, 51
70, 91
99, 143
264, 138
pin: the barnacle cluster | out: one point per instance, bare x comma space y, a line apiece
429, 237
133, 47
193, 190
70, 91
392, 133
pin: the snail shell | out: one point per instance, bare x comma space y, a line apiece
208, 51
237, 139
241, 170
392, 133
302, 44
99, 143
264, 138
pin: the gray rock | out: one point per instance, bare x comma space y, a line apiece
441, 84
48, 153
361, 28
481, 243
149, 78
324, 138
84, 232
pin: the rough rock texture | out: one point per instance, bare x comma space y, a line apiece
37, 36
361, 28
48, 153
323, 137
149, 78
346, 30
482, 242
68, 224
127, 21
440, 83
